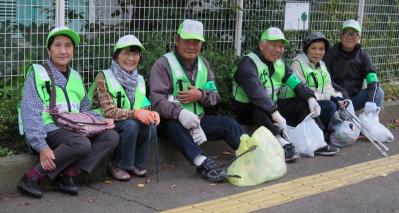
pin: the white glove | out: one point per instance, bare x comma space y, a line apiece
370, 107
188, 119
198, 135
314, 107
279, 120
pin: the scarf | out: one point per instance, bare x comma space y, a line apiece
127, 80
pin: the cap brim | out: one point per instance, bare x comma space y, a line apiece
128, 45
67, 32
192, 36
285, 41
357, 29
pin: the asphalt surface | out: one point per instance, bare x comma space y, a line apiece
179, 185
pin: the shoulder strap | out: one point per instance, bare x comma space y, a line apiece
53, 90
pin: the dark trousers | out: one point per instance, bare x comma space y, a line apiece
215, 128
251, 114
134, 144
328, 108
73, 149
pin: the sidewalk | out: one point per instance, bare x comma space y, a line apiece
179, 185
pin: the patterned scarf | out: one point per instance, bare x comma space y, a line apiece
127, 80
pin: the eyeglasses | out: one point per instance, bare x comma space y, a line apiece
350, 35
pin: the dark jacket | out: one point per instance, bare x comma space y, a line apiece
348, 70
247, 77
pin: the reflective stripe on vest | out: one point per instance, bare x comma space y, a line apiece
271, 83
67, 99
316, 79
181, 81
114, 87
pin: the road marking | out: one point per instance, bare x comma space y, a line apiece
273, 195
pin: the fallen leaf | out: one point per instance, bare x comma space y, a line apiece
108, 181
140, 185
212, 184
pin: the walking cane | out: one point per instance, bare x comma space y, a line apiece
154, 139
378, 144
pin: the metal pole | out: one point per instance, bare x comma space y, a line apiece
60, 13
360, 12
238, 32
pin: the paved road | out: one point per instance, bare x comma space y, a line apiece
180, 186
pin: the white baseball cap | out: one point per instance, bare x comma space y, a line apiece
128, 40
351, 23
191, 29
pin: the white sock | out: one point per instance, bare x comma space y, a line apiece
281, 140
198, 160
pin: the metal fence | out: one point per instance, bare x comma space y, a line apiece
24, 25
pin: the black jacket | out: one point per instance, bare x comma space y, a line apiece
348, 70
247, 77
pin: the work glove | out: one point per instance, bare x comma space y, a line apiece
198, 135
314, 107
279, 121
144, 116
370, 107
188, 119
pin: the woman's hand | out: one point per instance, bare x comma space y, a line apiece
157, 119
110, 123
47, 159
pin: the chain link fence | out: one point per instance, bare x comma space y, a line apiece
24, 25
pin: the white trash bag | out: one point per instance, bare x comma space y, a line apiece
371, 122
306, 136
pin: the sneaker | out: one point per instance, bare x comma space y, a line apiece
290, 153
119, 174
326, 151
210, 171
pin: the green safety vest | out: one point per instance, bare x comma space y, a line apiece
271, 83
180, 79
316, 79
67, 99
118, 93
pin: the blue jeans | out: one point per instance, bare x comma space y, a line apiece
361, 98
215, 128
134, 145
328, 108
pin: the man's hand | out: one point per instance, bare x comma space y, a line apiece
314, 107
279, 121
47, 159
110, 123
198, 135
144, 116
191, 95
188, 119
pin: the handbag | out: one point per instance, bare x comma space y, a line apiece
83, 123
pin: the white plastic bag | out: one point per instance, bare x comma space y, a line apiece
371, 123
265, 163
306, 136
344, 132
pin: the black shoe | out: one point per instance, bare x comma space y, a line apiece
30, 186
290, 153
326, 151
210, 171
66, 184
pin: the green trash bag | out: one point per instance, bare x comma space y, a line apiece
265, 163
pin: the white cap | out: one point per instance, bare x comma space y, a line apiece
191, 29
351, 23
126, 41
